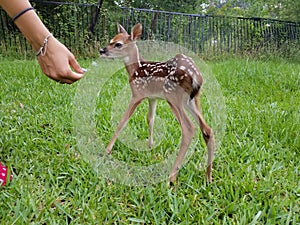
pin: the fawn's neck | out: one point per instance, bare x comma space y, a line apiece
133, 60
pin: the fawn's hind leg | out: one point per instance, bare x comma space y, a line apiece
187, 133
207, 133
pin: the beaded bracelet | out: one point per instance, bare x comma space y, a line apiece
43, 49
21, 13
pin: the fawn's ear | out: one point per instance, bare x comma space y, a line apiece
121, 29
136, 32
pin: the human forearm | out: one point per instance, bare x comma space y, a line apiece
29, 23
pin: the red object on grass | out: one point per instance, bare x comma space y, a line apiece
3, 175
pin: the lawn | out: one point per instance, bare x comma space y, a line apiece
58, 181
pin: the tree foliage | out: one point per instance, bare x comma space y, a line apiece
283, 9
275, 9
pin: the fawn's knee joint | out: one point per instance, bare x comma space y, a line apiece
207, 134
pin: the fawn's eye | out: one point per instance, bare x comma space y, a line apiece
118, 45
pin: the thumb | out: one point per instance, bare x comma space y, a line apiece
75, 65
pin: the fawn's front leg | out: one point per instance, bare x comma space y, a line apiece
151, 117
131, 107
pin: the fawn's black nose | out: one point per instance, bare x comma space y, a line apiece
103, 51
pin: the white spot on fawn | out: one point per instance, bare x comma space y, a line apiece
182, 67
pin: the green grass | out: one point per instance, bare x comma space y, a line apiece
256, 169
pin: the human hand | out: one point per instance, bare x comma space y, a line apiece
58, 61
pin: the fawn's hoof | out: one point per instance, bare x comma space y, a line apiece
108, 151
173, 177
209, 173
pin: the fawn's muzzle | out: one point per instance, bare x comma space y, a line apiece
103, 51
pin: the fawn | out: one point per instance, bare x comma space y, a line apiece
177, 80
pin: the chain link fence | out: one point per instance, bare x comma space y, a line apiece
85, 27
